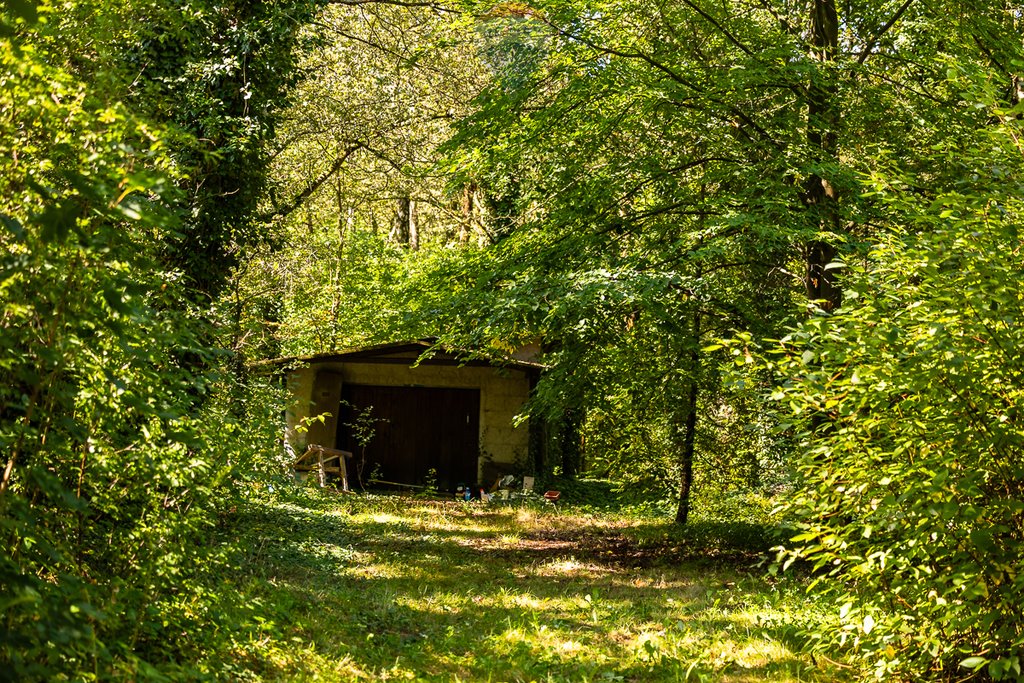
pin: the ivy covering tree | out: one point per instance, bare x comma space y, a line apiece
132, 151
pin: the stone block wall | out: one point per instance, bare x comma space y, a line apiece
503, 392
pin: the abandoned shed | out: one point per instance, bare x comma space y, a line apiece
402, 415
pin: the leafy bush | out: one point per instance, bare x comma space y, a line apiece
909, 400
120, 438
738, 450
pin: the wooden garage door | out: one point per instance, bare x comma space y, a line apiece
416, 429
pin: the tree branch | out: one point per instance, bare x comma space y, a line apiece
672, 74
888, 25
397, 3
297, 200
786, 26
722, 29
669, 172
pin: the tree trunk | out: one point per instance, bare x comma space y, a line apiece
569, 442
345, 218
822, 136
468, 212
414, 229
820, 281
537, 435
239, 370
400, 227
689, 427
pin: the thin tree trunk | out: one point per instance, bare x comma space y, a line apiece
414, 229
468, 212
405, 230
239, 370
400, 226
569, 439
822, 136
537, 433
689, 427
345, 218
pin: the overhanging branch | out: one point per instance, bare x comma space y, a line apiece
297, 201
397, 3
663, 68
878, 36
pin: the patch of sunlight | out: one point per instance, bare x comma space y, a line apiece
527, 601
440, 524
649, 646
448, 603
397, 672
687, 587
397, 570
285, 660
731, 644
546, 644
435, 603
753, 655
746, 618
462, 525
761, 653
723, 626
387, 518
721, 651
571, 567
525, 515
344, 666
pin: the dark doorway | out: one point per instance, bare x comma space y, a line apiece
415, 429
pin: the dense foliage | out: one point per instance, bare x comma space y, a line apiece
650, 178
663, 170
641, 191
356, 203
908, 399
119, 431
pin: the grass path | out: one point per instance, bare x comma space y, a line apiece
388, 588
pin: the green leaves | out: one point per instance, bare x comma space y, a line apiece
909, 397
26, 10
13, 225
117, 442
58, 219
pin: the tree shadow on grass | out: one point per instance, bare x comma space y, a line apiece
559, 605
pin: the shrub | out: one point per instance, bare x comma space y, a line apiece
909, 400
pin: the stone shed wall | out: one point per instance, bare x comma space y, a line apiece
317, 389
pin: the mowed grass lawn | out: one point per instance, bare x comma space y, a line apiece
353, 587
